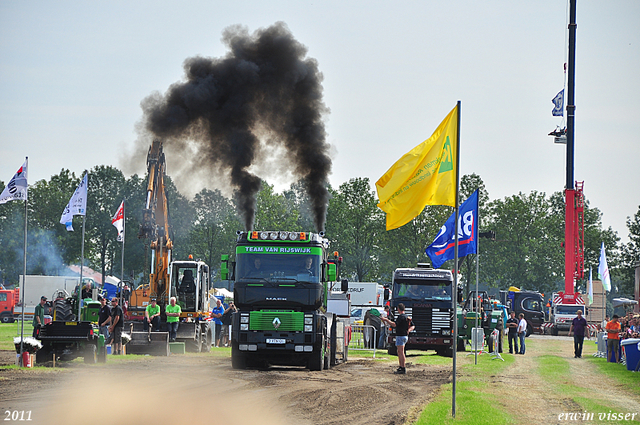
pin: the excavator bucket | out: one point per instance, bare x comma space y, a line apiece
152, 343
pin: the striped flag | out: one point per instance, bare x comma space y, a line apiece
118, 221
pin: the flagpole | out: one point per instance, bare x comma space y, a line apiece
477, 304
123, 237
24, 268
84, 217
454, 290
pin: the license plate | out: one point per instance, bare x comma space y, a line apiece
71, 323
276, 341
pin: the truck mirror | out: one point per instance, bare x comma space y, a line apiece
331, 272
386, 294
344, 285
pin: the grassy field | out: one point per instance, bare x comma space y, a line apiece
8, 331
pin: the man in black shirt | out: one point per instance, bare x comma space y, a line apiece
403, 326
512, 324
103, 317
117, 321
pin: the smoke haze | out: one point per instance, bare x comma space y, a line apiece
232, 114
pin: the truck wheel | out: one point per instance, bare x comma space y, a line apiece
392, 350
529, 329
238, 358
6, 318
462, 345
90, 356
316, 361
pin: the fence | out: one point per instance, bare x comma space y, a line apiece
364, 337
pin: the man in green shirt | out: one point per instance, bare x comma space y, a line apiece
173, 317
152, 316
38, 316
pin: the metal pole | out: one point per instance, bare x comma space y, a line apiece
571, 94
123, 235
454, 290
81, 265
24, 267
475, 343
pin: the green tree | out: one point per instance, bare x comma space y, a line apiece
274, 211
354, 226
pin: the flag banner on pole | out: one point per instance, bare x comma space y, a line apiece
426, 175
442, 248
118, 221
558, 102
590, 287
77, 205
603, 270
17, 188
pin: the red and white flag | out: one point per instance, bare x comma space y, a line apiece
16, 189
118, 222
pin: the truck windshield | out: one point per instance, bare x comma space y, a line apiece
299, 268
424, 290
569, 309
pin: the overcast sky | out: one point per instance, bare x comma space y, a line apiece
73, 74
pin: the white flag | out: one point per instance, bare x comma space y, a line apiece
590, 287
16, 189
118, 222
603, 270
77, 205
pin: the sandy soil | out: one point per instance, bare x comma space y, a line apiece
200, 387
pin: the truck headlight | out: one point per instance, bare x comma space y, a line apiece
308, 320
244, 327
446, 332
244, 319
308, 328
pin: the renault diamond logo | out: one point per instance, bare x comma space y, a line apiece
276, 323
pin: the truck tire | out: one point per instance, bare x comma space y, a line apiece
316, 361
238, 358
554, 331
6, 318
462, 345
529, 328
392, 350
102, 355
90, 354
371, 338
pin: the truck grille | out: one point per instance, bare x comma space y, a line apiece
429, 321
287, 321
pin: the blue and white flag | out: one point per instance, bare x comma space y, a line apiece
77, 205
603, 270
558, 102
443, 247
17, 188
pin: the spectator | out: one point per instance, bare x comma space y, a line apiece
613, 338
173, 312
512, 325
38, 316
603, 325
117, 322
151, 316
578, 326
403, 327
522, 332
217, 313
226, 321
104, 317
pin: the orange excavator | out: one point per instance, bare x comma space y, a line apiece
187, 281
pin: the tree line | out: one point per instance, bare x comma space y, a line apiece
526, 252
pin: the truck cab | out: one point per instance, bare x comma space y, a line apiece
426, 294
530, 303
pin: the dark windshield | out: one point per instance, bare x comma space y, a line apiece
261, 267
569, 309
424, 290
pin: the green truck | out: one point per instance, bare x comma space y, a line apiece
282, 284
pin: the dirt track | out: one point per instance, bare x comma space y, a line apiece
200, 387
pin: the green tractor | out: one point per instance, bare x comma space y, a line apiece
66, 337
492, 315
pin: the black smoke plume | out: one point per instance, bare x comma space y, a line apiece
264, 90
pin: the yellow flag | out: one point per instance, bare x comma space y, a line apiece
424, 176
